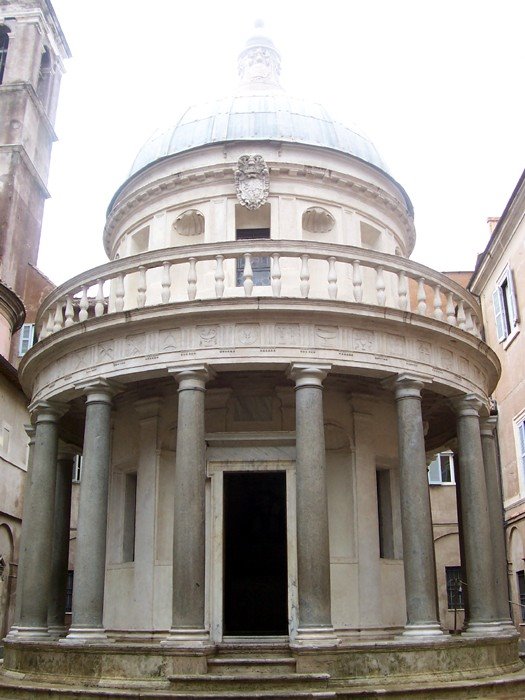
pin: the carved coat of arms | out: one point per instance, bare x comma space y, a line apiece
252, 181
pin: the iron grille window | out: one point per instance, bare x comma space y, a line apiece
454, 587
260, 265
521, 591
69, 592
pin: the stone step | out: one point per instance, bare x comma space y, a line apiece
249, 681
256, 665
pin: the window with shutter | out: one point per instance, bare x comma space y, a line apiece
27, 338
505, 306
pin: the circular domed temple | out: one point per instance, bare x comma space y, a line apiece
256, 380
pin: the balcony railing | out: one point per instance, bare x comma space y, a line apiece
299, 269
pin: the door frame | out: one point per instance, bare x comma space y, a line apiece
233, 462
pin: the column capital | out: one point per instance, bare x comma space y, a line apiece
308, 374
99, 390
467, 405
67, 451
47, 411
192, 378
408, 385
488, 426
30, 431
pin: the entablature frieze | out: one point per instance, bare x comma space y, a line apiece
451, 363
157, 190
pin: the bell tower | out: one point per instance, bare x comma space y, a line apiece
32, 50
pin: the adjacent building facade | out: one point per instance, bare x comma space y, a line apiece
499, 281
32, 49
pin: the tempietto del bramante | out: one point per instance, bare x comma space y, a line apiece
255, 380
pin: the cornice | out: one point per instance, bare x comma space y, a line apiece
37, 104
270, 332
22, 154
182, 181
12, 307
512, 217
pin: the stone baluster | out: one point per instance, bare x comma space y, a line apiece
37, 535
421, 297
58, 321
313, 555
119, 292
50, 322
483, 615
402, 291
357, 281
276, 275
99, 300
469, 325
305, 277
84, 305
438, 308
59, 563
70, 312
248, 275
192, 279
451, 309
90, 556
332, 278
380, 286
495, 503
219, 276
189, 531
461, 315
166, 282
416, 517
141, 287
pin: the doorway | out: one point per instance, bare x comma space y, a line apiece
255, 554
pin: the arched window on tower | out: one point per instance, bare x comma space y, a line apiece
44, 77
4, 45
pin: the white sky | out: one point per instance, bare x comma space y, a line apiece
437, 86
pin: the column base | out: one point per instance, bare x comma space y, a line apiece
507, 626
313, 637
28, 633
85, 635
482, 629
422, 630
187, 638
57, 631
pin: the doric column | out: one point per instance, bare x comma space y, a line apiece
30, 431
416, 517
37, 534
313, 550
149, 411
57, 599
90, 555
482, 612
495, 503
369, 569
189, 582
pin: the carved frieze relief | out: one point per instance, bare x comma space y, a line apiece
269, 341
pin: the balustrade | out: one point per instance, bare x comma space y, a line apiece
310, 271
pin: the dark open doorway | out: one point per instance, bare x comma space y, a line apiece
255, 556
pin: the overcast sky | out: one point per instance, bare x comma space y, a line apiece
437, 86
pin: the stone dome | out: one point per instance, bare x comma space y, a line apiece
260, 110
